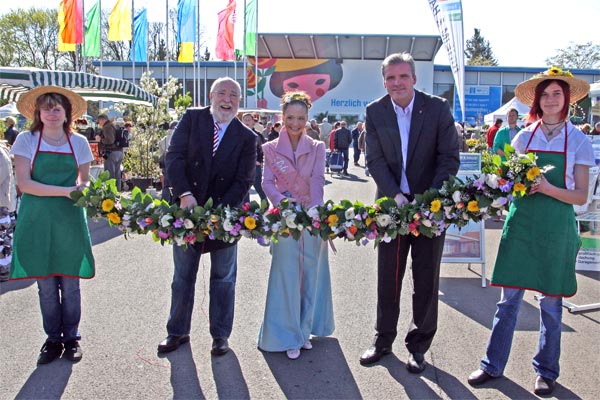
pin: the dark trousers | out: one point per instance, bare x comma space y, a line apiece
426, 256
356, 154
344, 153
257, 186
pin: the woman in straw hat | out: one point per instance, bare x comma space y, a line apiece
540, 241
52, 241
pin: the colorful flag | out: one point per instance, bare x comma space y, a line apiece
186, 21
119, 21
225, 49
73, 18
250, 25
92, 31
61, 26
140, 36
448, 16
186, 52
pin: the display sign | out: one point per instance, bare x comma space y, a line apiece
479, 101
588, 258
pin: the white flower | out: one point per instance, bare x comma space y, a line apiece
426, 222
227, 225
349, 213
492, 180
276, 227
165, 220
178, 240
188, 224
313, 212
290, 221
383, 220
386, 238
245, 233
499, 202
456, 196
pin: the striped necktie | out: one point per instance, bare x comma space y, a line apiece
216, 138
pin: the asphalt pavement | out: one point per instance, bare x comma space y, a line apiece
125, 308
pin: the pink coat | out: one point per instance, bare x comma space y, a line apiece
309, 164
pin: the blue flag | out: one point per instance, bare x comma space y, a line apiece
186, 21
140, 36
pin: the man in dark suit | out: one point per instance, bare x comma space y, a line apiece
211, 155
412, 146
342, 141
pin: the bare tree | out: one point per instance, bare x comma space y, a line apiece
578, 56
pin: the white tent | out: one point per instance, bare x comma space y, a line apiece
501, 112
595, 96
8, 109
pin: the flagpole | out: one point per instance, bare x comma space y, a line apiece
245, 58
197, 58
83, 38
256, 59
132, 45
167, 43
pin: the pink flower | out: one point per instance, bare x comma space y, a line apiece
163, 235
189, 238
246, 206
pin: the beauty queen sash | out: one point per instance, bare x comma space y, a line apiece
288, 178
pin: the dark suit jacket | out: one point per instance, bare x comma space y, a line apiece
432, 153
190, 165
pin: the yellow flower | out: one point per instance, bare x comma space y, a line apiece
114, 218
435, 206
332, 220
368, 221
473, 206
532, 173
250, 223
519, 187
108, 205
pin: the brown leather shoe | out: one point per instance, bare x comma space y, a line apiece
543, 386
220, 346
374, 354
479, 377
172, 342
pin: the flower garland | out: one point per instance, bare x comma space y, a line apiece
429, 214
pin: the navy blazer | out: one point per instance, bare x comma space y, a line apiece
433, 148
190, 165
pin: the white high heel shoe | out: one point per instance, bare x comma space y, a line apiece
293, 354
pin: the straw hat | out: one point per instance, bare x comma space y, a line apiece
525, 91
26, 103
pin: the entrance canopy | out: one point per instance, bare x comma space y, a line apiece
346, 47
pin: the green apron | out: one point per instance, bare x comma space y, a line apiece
539, 243
51, 236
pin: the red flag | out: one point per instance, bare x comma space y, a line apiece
73, 30
225, 50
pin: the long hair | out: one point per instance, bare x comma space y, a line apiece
536, 111
51, 100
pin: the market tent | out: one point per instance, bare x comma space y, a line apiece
595, 96
501, 112
16, 81
8, 109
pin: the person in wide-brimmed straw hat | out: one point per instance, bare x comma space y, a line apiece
52, 241
540, 241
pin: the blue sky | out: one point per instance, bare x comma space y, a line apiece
521, 32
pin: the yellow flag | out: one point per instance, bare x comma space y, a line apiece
61, 26
120, 21
186, 52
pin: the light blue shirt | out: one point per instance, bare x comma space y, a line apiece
404, 117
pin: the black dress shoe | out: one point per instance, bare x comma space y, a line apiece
219, 347
416, 363
479, 377
543, 386
172, 342
374, 354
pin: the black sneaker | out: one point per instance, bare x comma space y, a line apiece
73, 351
50, 351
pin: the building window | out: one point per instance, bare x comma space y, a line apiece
445, 91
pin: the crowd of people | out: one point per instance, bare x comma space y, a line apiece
412, 145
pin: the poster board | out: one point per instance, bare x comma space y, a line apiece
467, 244
588, 257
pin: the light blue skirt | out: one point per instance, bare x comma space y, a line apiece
299, 294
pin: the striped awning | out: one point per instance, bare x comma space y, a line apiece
15, 81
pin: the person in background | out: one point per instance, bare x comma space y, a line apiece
311, 132
506, 134
596, 130
8, 206
342, 141
299, 301
52, 242
10, 134
363, 147
315, 126
412, 146
355, 134
267, 130
211, 155
540, 241
325, 129
249, 121
274, 134
490, 135
336, 126
113, 156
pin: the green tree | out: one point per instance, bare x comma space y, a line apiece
577, 56
479, 51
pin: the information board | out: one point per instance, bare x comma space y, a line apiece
479, 101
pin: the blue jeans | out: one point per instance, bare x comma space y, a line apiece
60, 302
546, 360
222, 290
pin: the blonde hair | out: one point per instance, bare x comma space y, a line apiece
297, 96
